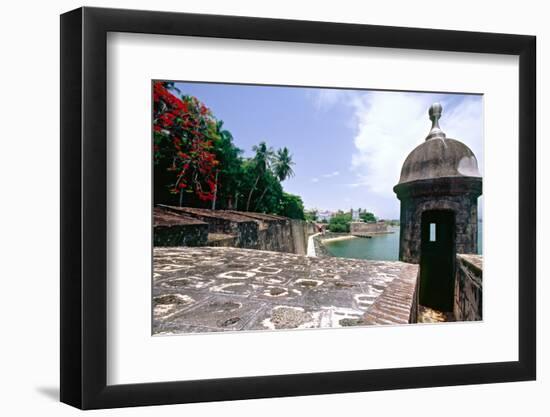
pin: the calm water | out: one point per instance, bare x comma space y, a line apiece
383, 247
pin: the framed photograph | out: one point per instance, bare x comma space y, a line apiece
257, 208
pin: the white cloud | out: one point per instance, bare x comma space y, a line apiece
388, 126
332, 174
325, 98
465, 123
391, 124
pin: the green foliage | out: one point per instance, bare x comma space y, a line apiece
292, 206
311, 215
282, 165
230, 168
198, 165
367, 216
269, 200
261, 166
184, 136
339, 222
269, 169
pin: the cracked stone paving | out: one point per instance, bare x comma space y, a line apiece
212, 289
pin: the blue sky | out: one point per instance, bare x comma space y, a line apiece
348, 145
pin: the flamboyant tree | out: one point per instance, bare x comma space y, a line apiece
198, 165
184, 136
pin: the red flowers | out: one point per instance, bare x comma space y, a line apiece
184, 107
182, 137
166, 120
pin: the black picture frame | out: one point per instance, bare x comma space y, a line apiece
84, 207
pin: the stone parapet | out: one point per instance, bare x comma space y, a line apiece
244, 229
170, 229
397, 303
468, 299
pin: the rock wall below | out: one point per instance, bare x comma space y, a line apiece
234, 229
468, 288
300, 235
368, 229
174, 230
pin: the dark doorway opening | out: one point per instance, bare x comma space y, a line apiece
437, 260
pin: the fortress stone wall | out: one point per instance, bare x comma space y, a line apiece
178, 230
174, 226
366, 229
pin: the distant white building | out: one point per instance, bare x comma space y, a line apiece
324, 215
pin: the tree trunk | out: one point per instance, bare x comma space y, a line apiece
215, 191
251, 191
260, 199
181, 197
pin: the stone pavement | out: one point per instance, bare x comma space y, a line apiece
208, 289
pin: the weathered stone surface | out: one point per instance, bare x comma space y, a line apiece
243, 229
177, 230
220, 239
368, 229
274, 232
468, 288
395, 304
221, 289
457, 194
474, 261
439, 158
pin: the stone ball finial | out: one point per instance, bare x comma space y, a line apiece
435, 112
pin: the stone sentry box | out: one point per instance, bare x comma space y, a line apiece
439, 174
438, 189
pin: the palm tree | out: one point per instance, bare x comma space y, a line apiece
283, 164
282, 168
262, 161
